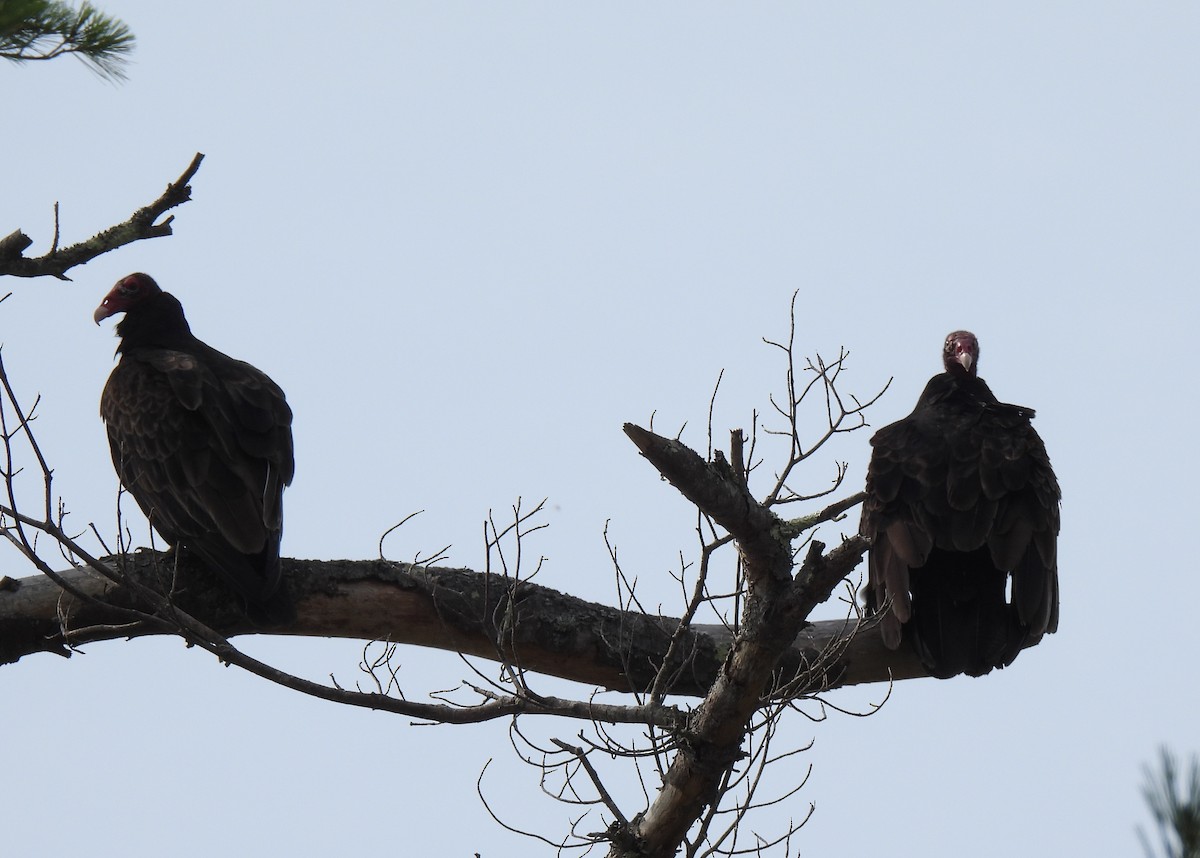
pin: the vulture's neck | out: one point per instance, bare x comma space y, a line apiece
971, 387
156, 323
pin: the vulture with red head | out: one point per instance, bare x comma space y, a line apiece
203, 443
961, 498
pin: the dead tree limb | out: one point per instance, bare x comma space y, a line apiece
558, 634
143, 223
777, 604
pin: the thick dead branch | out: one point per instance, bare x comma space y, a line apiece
775, 610
712, 487
143, 223
717, 491
558, 635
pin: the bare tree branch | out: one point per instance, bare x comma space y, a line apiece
833, 512
437, 607
143, 223
776, 607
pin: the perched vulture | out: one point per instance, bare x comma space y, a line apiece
202, 441
960, 496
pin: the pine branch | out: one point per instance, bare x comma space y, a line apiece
43, 30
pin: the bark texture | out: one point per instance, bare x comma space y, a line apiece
450, 609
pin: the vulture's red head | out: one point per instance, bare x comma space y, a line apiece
961, 353
128, 293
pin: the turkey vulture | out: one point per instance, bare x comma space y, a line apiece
202, 441
960, 495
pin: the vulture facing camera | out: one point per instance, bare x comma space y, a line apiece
961, 498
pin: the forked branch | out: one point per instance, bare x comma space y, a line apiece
142, 224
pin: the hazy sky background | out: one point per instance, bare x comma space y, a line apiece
470, 240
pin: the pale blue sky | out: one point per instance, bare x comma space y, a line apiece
470, 240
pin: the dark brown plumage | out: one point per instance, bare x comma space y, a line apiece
961, 495
202, 441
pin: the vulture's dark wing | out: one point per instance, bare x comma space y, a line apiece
203, 443
960, 494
